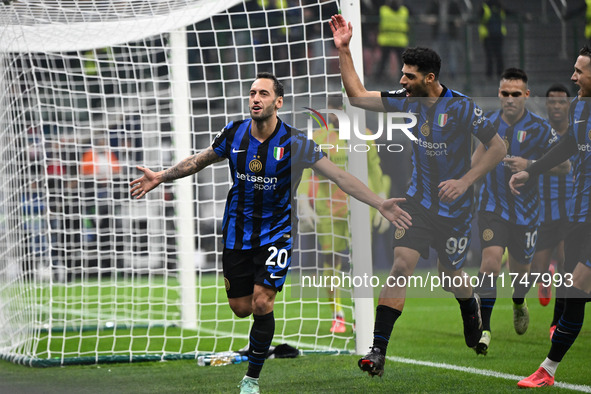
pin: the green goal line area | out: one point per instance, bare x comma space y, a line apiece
138, 319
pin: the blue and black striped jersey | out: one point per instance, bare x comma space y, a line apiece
443, 147
530, 138
265, 175
580, 128
556, 192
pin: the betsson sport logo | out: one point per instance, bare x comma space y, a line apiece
399, 121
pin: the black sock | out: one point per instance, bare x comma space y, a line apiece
385, 319
488, 296
467, 306
522, 285
558, 310
569, 325
261, 336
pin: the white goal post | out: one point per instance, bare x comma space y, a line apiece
90, 90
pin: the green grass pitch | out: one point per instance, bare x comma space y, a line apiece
429, 330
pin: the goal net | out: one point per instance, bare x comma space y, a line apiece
88, 91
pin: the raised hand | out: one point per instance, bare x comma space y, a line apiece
341, 31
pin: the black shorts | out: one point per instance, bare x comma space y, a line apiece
450, 237
266, 266
519, 240
550, 234
577, 246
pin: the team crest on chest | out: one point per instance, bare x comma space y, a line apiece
589, 134
425, 129
255, 165
521, 135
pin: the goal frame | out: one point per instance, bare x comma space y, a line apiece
182, 125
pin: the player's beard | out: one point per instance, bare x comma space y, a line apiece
417, 92
264, 115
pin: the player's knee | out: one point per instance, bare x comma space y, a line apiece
240, 309
491, 264
401, 267
242, 312
457, 283
261, 306
262, 303
445, 283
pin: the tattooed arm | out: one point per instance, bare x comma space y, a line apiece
189, 166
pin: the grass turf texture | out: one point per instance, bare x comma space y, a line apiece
100, 301
429, 330
103, 301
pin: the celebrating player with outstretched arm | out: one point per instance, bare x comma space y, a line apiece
257, 225
440, 194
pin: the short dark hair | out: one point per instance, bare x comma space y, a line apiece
514, 74
558, 87
585, 51
277, 86
426, 60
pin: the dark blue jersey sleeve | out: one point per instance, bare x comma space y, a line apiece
305, 151
220, 141
482, 128
394, 100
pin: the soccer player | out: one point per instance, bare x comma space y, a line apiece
577, 245
555, 197
266, 158
440, 195
505, 220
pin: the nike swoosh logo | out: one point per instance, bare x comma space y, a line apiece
273, 276
456, 262
579, 121
237, 151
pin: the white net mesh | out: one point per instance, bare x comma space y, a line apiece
43, 26
89, 92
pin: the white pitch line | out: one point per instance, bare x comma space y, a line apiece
485, 372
